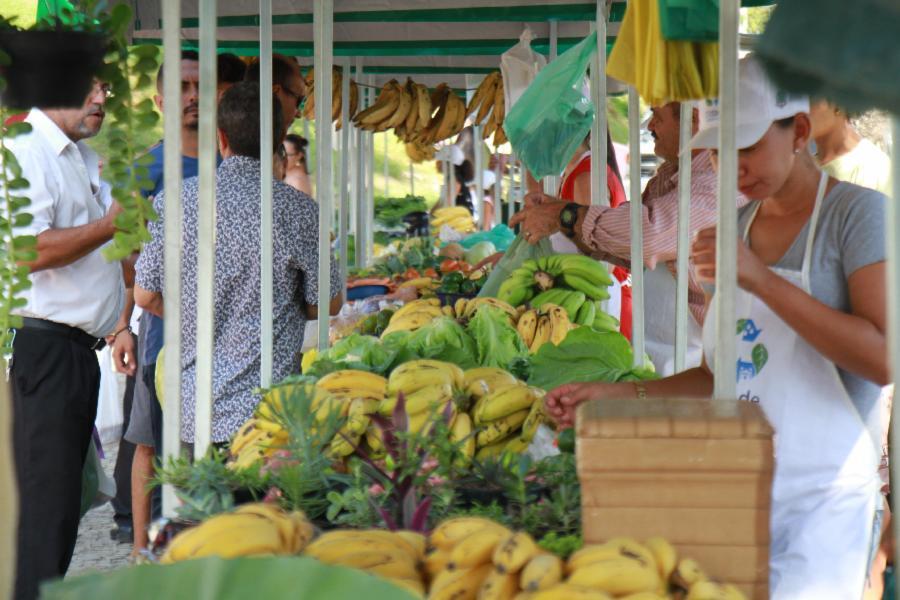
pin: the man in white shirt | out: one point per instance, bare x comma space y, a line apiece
76, 300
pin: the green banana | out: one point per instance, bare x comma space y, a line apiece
512, 292
586, 313
572, 303
551, 296
586, 267
605, 322
579, 283
553, 264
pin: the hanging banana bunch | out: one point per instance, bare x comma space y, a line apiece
491, 104
337, 82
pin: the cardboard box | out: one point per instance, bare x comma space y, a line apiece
696, 472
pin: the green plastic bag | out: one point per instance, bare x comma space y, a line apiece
517, 253
552, 117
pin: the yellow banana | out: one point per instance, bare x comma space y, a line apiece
417, 305
429, 399
362, 383
499, 111
415, 540
477, 303
559, 325
664, 555
515, 551
295, 529
227, 535
483, 99
541, 334
617, 576
452, 531
412, 115
423, 105
499, 586
459, 307
344, 443
644, 596
375, 440
414, 375
516, 445
461, 433
504, 402
448, 311
333, 543
436, 562
477, 548
688, 572
481, 381
384, 106
535, 417
459, 584
527, 326
567, 591
500, 136
543, 571
613, 548
424, 421
491, 451
707, 590
500, 429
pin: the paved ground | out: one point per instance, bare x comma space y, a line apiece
95, 551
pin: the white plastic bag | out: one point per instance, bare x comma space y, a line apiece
110, 415
519, 66
543, 443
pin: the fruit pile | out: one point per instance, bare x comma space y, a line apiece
456, 217
489, 99
418, 313
252, 529
574, 277
337, 77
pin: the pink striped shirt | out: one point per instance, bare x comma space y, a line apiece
608, 230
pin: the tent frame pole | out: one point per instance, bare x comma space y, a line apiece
323, 35
682, 310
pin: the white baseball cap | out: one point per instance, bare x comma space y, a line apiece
760, 104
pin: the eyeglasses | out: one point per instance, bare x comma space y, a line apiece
103, 88
299, 97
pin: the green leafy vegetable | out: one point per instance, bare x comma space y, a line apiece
390, 211
444, 339
585, 355
363, 352
496, 341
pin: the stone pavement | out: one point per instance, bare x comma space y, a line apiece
94, 550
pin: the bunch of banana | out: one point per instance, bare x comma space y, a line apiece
470, 307
573, 272
337, 76
419, 151
507, 419
419, 117
456, 217
251, 530
429, 388
254, 441
389, 110
413, 315
448, 120
352, 394
549, 324
460, 563
481, 381
489, 100
392, 555
422, 284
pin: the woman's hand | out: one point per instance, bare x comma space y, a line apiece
539, 218
752, 273
561, 402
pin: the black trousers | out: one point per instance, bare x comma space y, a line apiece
55, 386
122, 474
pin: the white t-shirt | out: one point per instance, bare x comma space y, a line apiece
65, 192
865, 165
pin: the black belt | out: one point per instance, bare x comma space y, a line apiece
79, 336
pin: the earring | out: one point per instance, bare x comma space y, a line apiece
796, 150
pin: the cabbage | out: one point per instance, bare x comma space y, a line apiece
479, 252
443, 339
496, 341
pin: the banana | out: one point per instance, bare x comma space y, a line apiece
542, 571
490, 127
423, 106
515, 551
491, 451
559, 325
409, 322
573, 302
385, 105
527, 326
435, 562
412, 115
644, 596
375, 441
459, 307
515, 445
448, 311
417, 541
385, 563
500, 429
687, 573
617, 547
429, 399
452, 531
578, 283
461, 433
605, 322
227, 535
476, 303
500, 136
336, 97
362, 383
499, 111
295, 529
591, 553
664, 555
438, 101
483, 97
514, 292
504, 402
404, 107
329, 546
586, 268
343, 443
707, 590
535, 417
567, 591
541, 334
586, 314
459, 584
477, 548
414, 375
450, 118
499, 586
422, 304
617, 576
552, 296
481, 381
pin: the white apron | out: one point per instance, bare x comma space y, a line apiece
563, 245
659, 323
825, 489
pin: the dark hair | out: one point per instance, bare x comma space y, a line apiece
191, 55
238, 118
231, 69
464, 173
299, 142
283, 67
785, 123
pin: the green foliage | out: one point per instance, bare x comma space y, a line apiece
14, 249
561, 545
390, 211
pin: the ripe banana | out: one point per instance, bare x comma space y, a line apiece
409, 322
614, 547
228, 535
541, 334
500, 429
559, 324
385, 105
504, 402
543, 571
404, 107
499, 586
422, 304
459, 584
481, 381
500, 136
412, 116
476, 303
707, 590
344, 443
429, 399
477, 548
414, 375
423, 105
461, 433
527, 326
436, 562
459, 307
617, 576
484, 96
360, 383
568, 591
452, 531
295, 529
664, 555
514, 552
687, 573
535, 417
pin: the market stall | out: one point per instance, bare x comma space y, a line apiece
444, 387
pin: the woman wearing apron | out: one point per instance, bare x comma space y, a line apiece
812, 351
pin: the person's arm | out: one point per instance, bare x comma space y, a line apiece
488, 221
149, 271
150, 301
61, 247
334, 307
121, 341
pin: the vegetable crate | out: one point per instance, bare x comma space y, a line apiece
696, 472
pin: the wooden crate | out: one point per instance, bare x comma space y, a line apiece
696, 472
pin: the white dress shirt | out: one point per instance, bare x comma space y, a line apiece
64, 179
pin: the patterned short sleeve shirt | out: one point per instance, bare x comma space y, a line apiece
237, 354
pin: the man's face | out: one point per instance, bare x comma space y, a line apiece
290, 96
84, 122
190, 94
664, 127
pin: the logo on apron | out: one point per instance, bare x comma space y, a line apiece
747, 369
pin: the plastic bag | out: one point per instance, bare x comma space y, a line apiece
517, 253
519, 66
545, 134
97, 488
501, 236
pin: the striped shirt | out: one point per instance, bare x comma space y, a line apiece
608, 230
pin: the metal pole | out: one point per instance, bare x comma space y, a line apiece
682, 311
361, 225
599, 185
206, 234
498, 193
551, 182
309, 157
171, 13
450, 176
893, 266
345, 179
726, 242
384, 166
370, 196
477, 147
323, 13
637, 231
266, 142
412, 179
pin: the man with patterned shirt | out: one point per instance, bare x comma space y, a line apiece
237, 315
605, 234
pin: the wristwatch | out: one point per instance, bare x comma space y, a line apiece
568, 216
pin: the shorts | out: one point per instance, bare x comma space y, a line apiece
145, 427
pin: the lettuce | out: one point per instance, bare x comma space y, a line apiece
586, 355
497, 343
363, 352
443, 339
